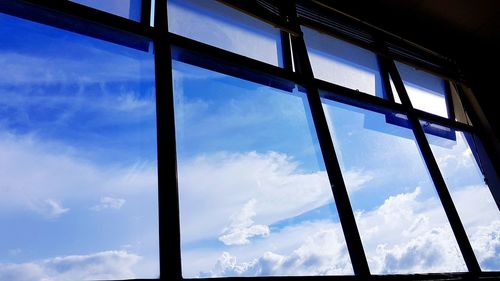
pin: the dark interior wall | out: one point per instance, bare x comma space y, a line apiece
467, 31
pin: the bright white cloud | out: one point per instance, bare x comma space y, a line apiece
49, 208
422, 245
242, 226
310, 248
97, 266
109, 203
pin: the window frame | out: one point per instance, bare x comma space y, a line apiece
88, 21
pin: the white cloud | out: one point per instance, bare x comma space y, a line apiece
49, 208
311, 248
406, 234
58, 173
355, 179
94, 65
101, 265
242, 227
109, 203
272, 179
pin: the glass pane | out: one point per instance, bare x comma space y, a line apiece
426, 91
471, 195
78, 178
216, 24
254, 195
130, 9
400, 218
339, 62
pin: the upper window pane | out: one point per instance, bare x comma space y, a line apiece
213, 23
130, 9
472, 197
401, 221
254, 195
426, 91
339, 62
78, 179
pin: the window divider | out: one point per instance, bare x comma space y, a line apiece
339, 190
168, 195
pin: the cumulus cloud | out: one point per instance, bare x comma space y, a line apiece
406, 234
242, 227
310, 248
97, 266
109, 203
49, 208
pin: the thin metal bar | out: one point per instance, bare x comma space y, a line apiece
339, 190
146, 12
437, 177
286, 51
170, 242
449, 100
386, 80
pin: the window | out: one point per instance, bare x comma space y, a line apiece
401, 221
260, 135
426, 91
341, 63
130, 9
472, 197
214, 24
78, 166
254, 198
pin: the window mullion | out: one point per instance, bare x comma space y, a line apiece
170, 252
339, 190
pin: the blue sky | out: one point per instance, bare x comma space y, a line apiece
255, 201
78, 166
79, 180
254, 195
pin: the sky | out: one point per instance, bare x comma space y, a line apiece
79, 180
255, 199
78, 165
254, 195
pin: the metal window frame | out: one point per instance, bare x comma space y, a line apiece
88, 21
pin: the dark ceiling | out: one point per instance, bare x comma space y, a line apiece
466, 30
436, 24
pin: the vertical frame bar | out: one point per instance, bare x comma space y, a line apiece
170, 243
386, 81
450, 107
339, 190
286, 51
146, 12
437, 177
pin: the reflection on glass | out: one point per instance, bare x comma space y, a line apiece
254, 198
215, 24
130, 9
78, 157
402, 223
471, 196
426, 91
339, 62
